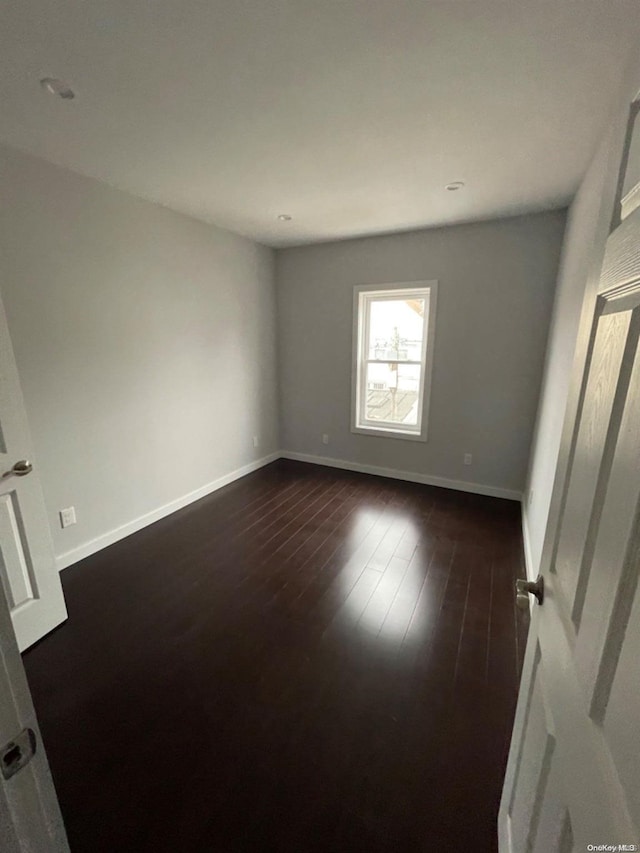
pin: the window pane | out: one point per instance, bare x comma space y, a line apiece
392, 392
396, 328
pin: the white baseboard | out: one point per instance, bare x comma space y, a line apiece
100, 542
528, 559
393, 473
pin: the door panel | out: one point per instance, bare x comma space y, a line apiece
554, 834
608, 350
30, 819
621, 262
620, 722
573, 776
613, 575
623, 398
534, 767
14, 566
28, 573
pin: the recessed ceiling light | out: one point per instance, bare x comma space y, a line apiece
57, 87
284, 217
455, 185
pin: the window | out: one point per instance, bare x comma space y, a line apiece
392, 355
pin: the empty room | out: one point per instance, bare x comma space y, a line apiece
319, 426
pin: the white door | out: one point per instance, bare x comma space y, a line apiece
30, 820
28, 573
573, 775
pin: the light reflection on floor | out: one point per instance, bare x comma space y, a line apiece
388, 599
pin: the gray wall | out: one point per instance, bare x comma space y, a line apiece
145, 343
581, 232
496, 284
583, 252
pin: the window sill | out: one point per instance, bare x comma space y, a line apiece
381, 432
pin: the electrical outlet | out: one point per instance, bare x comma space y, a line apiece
530, 495
67, 516
468, 459
325, 438
256, 442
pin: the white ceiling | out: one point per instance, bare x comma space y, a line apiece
350, 115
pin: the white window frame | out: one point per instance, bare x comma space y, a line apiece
363, 296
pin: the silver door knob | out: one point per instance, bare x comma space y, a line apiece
526, 588
22, 468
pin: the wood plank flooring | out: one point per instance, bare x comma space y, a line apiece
307, 661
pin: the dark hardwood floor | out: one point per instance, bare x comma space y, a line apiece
306, 660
